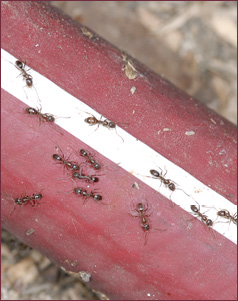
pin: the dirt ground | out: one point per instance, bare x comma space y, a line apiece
194, 45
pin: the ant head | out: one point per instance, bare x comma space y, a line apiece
146, 227
83, 152
209, 222
50, 118
75, 166
18, 201
97, 166
194, 208
111, 124
78, 191
140, 206
38, 196
57, 157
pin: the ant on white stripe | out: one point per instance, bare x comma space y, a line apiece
106, 123
167, 182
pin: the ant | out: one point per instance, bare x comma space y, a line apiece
80, 176
144, 222
226, 214
65, 161
33, 200
203, 217
141, 210
90, 159
45, 116
167, 182
28, 78
106, 123
21, 67
68, 164
84, 193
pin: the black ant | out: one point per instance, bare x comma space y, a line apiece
33, 200
90, 159
106, 123
167, 182
208, 222
141, 210
84, 193
65, 161
68, 164
81, 176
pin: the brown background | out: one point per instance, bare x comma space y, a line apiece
192, 44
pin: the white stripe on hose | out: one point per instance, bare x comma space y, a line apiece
133, 155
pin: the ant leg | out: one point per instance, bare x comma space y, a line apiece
119, 135
182, 190
66, 192
39, 101
85, 200
165, 173
146, 208
161, 230
96, 127
133, 215
25, 92
146, 237
13, 209
171, 203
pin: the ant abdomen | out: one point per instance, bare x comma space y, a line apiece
97, 197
